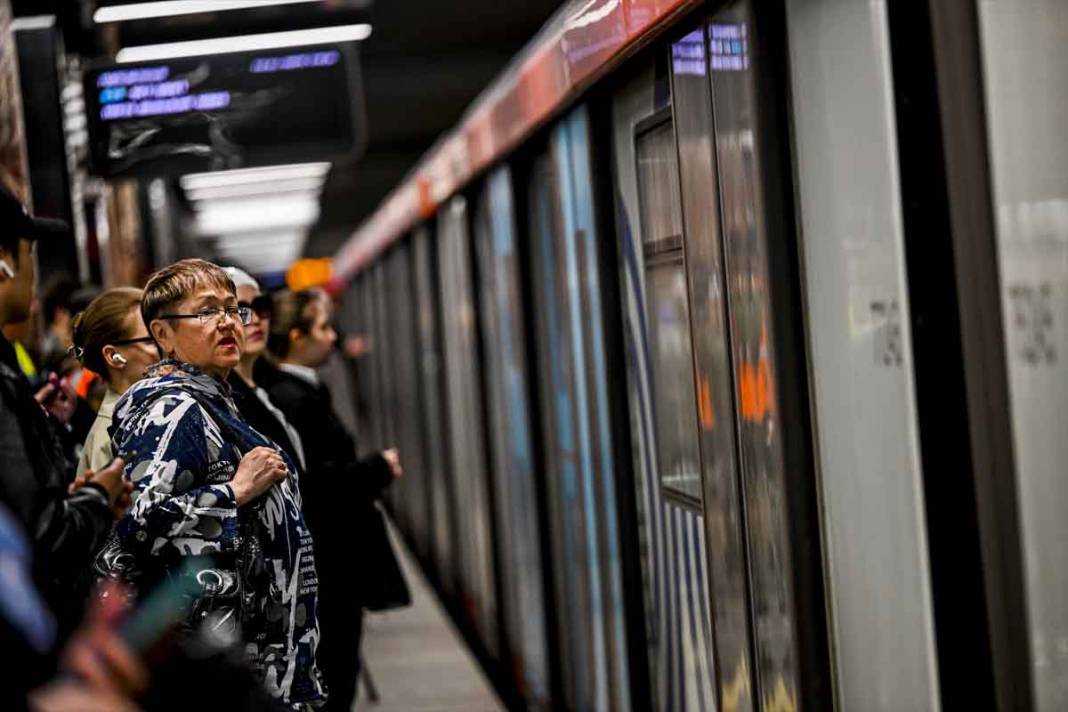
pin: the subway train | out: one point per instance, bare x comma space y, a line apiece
721, 342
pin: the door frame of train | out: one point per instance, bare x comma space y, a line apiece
947, 183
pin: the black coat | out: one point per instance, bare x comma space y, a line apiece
339, 492
260, 417
67, 529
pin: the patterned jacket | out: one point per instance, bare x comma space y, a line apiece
183, 439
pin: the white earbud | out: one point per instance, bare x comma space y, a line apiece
5, 269
119, 360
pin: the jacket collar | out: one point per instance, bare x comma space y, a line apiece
304, 373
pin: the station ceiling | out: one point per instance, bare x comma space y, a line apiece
424, 62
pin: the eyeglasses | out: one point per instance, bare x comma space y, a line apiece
262, 306
138, 340
241, 314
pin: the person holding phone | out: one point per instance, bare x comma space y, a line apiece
207, 483
67, 528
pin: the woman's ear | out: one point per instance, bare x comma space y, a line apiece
112, 357
163, 334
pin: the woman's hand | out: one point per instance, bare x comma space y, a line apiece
58, 399
259, 469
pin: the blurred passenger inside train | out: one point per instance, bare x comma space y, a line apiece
111, 340
207, 483
68, 528
357, 566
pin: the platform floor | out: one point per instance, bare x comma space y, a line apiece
417, 658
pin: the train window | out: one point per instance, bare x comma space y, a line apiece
675, 402
1024, 46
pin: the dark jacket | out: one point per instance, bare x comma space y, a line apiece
259, 416
67, 529
339, 493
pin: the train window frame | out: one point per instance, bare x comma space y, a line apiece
658, 254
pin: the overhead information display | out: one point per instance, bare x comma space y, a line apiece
225, 111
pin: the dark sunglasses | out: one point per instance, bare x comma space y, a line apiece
262, 305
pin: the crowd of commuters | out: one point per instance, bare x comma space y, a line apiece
184, 520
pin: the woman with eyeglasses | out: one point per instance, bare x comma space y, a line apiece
207, 483
111, 340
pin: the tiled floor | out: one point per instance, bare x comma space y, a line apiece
417, 659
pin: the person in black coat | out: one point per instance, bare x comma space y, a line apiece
66, 528
357, 567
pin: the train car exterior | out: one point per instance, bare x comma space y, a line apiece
721, 340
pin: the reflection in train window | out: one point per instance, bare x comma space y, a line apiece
675, 402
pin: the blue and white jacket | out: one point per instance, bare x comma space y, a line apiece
182, 439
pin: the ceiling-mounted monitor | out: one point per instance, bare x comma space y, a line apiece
225, 111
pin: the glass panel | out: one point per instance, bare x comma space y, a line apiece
675, 402
704, 262
658, 182
465, 425
671, 537
587, 318
502, 320
557, 408
410, 493
1024, 52
752, 343
872, 492
386, 395
439, 502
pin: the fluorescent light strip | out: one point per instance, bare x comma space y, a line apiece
171, 8
282, 187
249, 176
245, 43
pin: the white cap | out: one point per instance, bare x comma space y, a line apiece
242, 278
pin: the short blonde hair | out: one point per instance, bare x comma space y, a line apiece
171, 284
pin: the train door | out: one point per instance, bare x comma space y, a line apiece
577, 443
732, 556
465, 427
431, 372
515, 489
404, 354
676, 415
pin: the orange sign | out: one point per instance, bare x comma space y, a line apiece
308, 273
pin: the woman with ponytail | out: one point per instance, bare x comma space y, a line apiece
110, 339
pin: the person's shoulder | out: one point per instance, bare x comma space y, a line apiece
287, 384
149, 395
